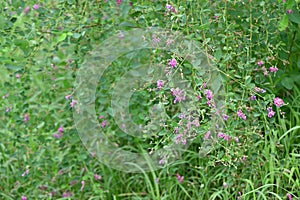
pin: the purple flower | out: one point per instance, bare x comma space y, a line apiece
241, 114
104, 123
209, 94
273, 69
178, 94
253, 98
260, 90
24, 197
60, 129
171, 8
73, 103
207, 135
27, 10
18, 76
163, 160
26, 118
260, 63
278, 102
160, 84
289, 11
58, 136
225, 117
36, 6
173, 63
180, 178
221, 135
73, 182
68, 97
5, 96
26, 172
67, 194
271, 113
227, 137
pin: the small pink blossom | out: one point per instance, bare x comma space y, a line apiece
18, 76
260, 63
58, 136
67, 194
225, 117
173, 63
60, 129
82, 185
271, 113
119, 2
36, 6
104, 123
289, 11
273, 69
68, 97
209, 94
207, 135
171, 8
241, 114
97, 177
278, 102
26, 118
24, 197
253, 98
160, 84
27, 10
289, 196
180, 178
73, 103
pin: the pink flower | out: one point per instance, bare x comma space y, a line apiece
173, 63
24, 197
58, 136
68, 97
82, 185
171, 8
209, 94
180, 178
119, 2
289, 11
27, 10
104, 123
36, 6
221, 135
26, 118
160, 84
260, 63
241, 114
271, 113
18, 76
273, 69
278, 102
61, 129
67, 194
260, 90
178, 94
121, 35
289, 196
207, 135
225, 117
253, 98
97, 177
73, 103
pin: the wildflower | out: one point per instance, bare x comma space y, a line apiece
241, 114
97, 177
260, 90
225, 185
225, 117
27, 10
36, 6
216, 17
104, 123
5, 96
207, 135
221, 135
67, 194
278, 102
163, 160
171, 8
227, 137
60, 129
253, 98
121, 35
58, 136
289, 11
119, 2
178, 138
179, 95
271, 113
180, 178
18, 76
273, 69
157, 180
176, 130
26, 172
24, 198
199, 97
73, 182
26, 118
289, 196
173, 63
68, 97
260, 63
209, 94
73, 103
160, 84
244, 158
82, 185
236, 139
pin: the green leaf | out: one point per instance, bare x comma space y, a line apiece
62, 37
288, 83
295, 17
283, 23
